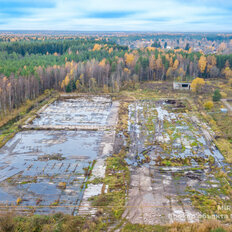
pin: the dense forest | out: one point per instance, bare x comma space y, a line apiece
28, 68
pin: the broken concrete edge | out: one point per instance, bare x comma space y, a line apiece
79, 95
72, 128
39, 111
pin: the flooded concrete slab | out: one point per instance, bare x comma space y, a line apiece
28, 176
72, 112
46, 170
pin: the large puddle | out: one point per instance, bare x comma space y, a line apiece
44, 171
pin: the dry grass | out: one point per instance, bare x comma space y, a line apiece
206, 226
7, 223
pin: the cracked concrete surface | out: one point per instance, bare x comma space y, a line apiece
157, 193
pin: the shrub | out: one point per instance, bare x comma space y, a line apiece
217, 96
208, 105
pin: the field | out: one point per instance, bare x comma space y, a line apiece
115, 161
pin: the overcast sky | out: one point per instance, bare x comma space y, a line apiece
117, 15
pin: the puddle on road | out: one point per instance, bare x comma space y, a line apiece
46, 168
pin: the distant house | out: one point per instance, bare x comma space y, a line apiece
181, 85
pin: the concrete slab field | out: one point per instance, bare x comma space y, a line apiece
46, 169
169, 154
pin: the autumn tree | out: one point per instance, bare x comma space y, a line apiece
96, 47
176, 64
197, 84
227, 73
130, 59
202, 64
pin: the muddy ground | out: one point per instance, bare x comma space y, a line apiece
171, 152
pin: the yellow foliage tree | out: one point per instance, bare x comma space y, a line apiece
126, 70
96, 47
197, 84
111, 50
66, 80
176, 64
129, 58
71, 73
202, 64
211, 62
227, 72
62, 85
102, 63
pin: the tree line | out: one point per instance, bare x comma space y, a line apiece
97, 66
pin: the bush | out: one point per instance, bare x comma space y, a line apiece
208, 105
217, 95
